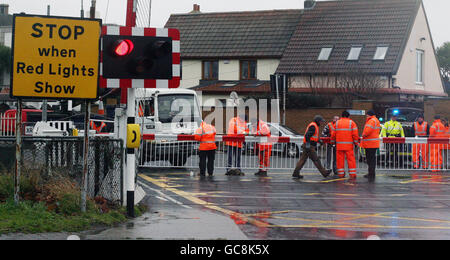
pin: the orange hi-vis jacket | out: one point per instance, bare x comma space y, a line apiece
263, 129
315, 137
421, 130
371, 133
447, 131
345, 135
237, 126
98, 129
437, 130
206, 135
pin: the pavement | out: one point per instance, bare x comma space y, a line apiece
404, 205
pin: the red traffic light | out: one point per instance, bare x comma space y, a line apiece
123, 47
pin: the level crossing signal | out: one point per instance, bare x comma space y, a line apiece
137, 57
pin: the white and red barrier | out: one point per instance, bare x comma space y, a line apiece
244, 139
395, 154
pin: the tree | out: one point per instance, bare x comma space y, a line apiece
358, 85
443, 54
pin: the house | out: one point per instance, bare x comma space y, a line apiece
6, 21
389, 41
233, 51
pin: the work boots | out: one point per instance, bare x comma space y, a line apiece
326, 173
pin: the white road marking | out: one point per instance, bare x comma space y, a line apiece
167, 197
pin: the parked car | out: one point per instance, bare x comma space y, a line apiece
291, 150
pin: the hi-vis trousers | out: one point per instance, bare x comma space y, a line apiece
351, 161
420, 150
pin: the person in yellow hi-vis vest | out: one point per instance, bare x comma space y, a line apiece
393, 129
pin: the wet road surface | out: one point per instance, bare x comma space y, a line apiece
398, 206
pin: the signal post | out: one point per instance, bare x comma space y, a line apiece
137, 58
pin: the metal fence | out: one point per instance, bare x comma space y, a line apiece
54, 156
395, 154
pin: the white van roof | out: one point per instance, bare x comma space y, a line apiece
141, 93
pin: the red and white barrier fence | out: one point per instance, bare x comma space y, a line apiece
397, 154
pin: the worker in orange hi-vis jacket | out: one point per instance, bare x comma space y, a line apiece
206, 135
345, 137
236, 126
437, 130
261, 128
371, 142
421, 129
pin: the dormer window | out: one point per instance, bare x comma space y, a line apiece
354, 54
325, 54
380, 53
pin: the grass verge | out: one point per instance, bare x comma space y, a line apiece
53, 206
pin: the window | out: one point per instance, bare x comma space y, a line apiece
210, 70
419, 67
325, 53
380, 53
248, 69
355, 51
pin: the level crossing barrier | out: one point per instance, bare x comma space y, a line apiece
395, 154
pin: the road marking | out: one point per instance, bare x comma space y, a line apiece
203, 203
167, 197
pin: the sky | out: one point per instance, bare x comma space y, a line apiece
114, 12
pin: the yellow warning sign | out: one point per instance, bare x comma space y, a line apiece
55, 57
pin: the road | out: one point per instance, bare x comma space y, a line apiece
404, 206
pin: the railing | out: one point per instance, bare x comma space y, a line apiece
7, 125
399, 154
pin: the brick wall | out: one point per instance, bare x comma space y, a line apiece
436, 107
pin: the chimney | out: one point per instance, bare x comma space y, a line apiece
196, 9
309, 4
4, 9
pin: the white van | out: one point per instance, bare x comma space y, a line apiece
168, 112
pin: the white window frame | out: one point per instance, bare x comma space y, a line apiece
378, 51
323, 54
420, 60
356, 49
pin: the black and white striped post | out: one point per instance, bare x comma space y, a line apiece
131, 156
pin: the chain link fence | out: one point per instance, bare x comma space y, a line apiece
51, 157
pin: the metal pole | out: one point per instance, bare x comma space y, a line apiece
284, 98
85, 156
18, 167
44, 103
87, 116
150, 14
131, 157
128, 98
82, 9
278, 96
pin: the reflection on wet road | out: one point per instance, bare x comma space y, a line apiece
407, 206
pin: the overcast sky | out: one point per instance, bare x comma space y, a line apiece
437, 10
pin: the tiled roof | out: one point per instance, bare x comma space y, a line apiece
235, 34
344, 23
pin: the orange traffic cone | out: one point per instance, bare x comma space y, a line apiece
101, 110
